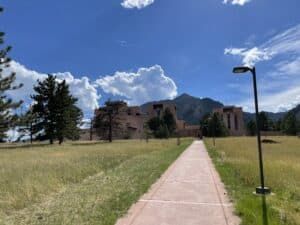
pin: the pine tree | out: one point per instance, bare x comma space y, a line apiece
162, 127
107, 121
216, 127
251, 128
57, 115
27, 125
290, 124
68, 115
169, 120
204, 124
154, 123
263, 121
45, 108
7, 118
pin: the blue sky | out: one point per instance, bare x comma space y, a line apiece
142, 50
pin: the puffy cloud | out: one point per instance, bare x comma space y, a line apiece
147, 84
25, 76
236, 2
81, 88
139, 4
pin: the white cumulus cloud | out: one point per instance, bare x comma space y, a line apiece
80, 88
236, 2
139, 4
147, 84
83, 89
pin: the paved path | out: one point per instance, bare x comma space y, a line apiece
189, 193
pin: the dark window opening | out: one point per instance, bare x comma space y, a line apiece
228, 121
236, 123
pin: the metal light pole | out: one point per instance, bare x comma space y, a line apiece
262, 189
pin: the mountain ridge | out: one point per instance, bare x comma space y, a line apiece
192, 109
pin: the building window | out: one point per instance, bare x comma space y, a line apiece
236, 123
228, 121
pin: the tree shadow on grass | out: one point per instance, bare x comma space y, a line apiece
22, 146
88, 143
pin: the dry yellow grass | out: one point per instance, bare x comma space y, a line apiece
79, 183
237, 162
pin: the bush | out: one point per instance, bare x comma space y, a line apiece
162, 132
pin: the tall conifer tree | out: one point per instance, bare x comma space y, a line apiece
57, 116
68, 115
7, 118
45, 108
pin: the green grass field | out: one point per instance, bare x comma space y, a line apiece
79, 183
236, 160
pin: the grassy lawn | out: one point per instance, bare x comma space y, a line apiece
79, 183
236, 160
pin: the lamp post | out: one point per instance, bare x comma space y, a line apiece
262, 189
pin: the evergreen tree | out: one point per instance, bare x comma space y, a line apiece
162, 132
27, 125
212, 125
68, 115
163, 127
278, 125
154, 123
169, 121
290, 124
264, 121
204, 124
107, 121
7, 118
45, 108
216, 127
251, 128
55, 110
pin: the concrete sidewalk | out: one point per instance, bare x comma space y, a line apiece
189, 193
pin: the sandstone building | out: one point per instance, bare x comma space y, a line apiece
132, 120
233, 119
182, 128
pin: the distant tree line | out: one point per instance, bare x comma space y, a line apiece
288, 125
